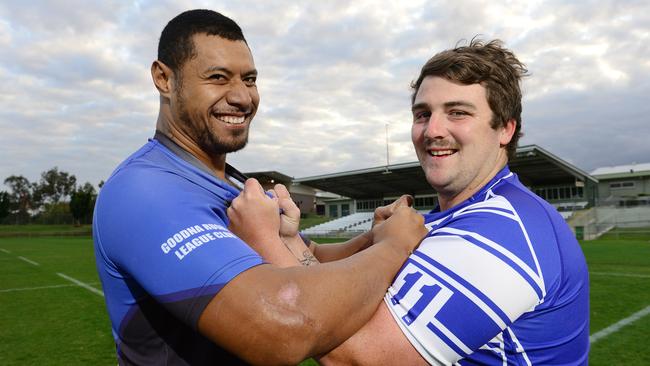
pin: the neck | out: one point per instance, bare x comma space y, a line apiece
168, 126
448, 201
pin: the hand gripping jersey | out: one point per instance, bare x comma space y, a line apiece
499, 280
163, 251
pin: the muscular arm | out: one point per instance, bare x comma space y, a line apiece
333, 252
379, 342
272, 315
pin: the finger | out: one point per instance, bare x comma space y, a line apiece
282, 191
405, 200
273, 194
252, 186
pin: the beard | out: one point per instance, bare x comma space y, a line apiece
207, 139
211, 143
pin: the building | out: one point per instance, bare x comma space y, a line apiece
562, 184
624, 185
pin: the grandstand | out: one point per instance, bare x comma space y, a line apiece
345, 226
567, 209
355, 223
583, 199
565, 186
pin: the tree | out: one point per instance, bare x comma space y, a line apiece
56, 185
20, 198
4, 205
82, 202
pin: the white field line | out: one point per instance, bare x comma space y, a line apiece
619, 274
82, 284
38, 288
5, 251
29, 261
618, 325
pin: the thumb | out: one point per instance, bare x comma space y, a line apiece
405, 200
253, 186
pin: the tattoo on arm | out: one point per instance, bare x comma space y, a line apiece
304, 256
307, 259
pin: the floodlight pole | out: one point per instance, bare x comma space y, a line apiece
387, 156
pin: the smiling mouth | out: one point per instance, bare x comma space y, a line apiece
231, 120
438, 153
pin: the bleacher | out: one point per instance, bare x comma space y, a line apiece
346, 226
567, 209
357, 222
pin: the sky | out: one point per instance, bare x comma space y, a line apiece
334, 76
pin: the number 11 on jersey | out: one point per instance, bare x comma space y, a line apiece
416, 295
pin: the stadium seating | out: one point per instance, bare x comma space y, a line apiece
357, 222
345, 226
567, 209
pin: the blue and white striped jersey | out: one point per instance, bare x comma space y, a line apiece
499, 280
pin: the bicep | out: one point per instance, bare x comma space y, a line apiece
257, 316
379, 342
233, 318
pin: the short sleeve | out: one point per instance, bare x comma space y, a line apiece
168, 238
470, 279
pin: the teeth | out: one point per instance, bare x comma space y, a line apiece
232, 119
441, 152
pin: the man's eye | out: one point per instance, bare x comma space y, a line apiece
250, 81
421, 116
217, 77
456, 113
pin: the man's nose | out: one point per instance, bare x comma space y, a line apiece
436, 126
239, 94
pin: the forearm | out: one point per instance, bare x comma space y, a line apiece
333, 252
379, 342
299, 250
297, 310
353, 286
276, 251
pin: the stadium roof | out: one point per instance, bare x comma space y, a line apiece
622, 171
534, 165
270, 177
537, 166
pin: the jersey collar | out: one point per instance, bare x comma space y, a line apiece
238, 177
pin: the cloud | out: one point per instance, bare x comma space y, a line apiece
77, 92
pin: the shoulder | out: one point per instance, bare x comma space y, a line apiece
152, 196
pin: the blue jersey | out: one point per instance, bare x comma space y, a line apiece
163, 251
499, 280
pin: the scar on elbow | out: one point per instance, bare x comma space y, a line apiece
289, 293
283, 307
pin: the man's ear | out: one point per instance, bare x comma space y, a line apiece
507, 131
162, 77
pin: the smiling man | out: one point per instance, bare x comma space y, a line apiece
500, 278
181, 288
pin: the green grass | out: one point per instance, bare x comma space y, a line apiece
43, 230
51, 326
636, 233
68, 325
615, 296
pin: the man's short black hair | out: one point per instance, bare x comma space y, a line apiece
176, 45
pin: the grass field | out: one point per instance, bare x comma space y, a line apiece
48, 319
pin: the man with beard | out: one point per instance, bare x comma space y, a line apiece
181, 288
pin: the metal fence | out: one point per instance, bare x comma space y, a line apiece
594, 222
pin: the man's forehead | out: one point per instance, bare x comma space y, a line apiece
214, 51
442, 90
